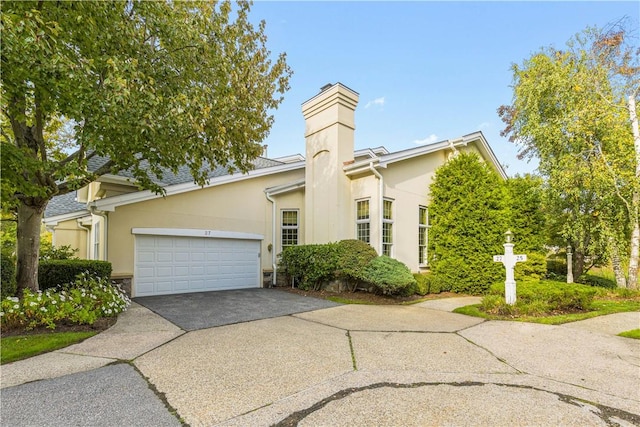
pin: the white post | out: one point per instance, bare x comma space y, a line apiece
569, 265
509, 261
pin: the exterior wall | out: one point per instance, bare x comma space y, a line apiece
407, 184
329, 133
68, 233
238, 206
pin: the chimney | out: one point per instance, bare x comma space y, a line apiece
329, 135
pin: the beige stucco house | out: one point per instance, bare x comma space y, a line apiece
227, 234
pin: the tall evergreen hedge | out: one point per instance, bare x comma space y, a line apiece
58, 272
468, 220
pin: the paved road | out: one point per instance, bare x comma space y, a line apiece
343, 365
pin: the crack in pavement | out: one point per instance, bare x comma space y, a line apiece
606, 413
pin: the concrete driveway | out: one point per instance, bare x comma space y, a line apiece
344, 365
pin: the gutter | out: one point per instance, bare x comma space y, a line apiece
103, 214
380, 203
273, 236
88, 239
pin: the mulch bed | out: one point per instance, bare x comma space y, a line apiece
368, 297
99, 326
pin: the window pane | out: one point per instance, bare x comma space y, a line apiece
289, 236
362, 209
289, 218
363, 232
387, 230
387, 209
423, 215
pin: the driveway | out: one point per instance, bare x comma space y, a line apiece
202, 310
344, 365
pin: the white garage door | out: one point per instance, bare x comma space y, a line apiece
180, 264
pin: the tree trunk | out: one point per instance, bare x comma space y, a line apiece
578, 264
621, 281
29, 222
635, 201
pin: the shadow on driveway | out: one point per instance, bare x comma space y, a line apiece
201, 310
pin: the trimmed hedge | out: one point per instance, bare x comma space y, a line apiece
7, 276
310, 265
601, 282
56, 273
353, 257
390, 276
535, 267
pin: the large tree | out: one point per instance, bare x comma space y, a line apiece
574, 109
149, 85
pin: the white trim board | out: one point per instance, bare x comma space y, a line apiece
195, 232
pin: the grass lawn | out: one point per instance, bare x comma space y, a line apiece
24, 346
634, 333
604, 302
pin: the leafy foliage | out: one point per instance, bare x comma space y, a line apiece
539, 298
468, 221
390, 276
7, 275
591, 280
310, 265
353, 257
574, 109
139, 86
535, 267
82, 302
56, 273
49, 252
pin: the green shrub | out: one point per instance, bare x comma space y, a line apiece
388, 275
56, 273
535, 267
557, 267
602, 282
423, 280
353, 256
81, 302
310, 265
48, 252
468, 216
7, 276
539, 297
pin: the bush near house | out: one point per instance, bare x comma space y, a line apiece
353, 261
601, 282
56, 273
389, 276
468, 222
7, 275
82, 301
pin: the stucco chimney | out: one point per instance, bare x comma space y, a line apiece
329, 134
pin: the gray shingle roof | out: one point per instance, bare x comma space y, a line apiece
66, 203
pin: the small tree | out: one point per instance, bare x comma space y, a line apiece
468, 221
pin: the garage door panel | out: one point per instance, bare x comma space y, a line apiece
172, 264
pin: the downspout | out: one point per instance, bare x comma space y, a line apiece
380, 202
95, 211
273, 236
88, 242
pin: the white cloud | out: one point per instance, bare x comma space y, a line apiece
378, 101
428, 140
485, 125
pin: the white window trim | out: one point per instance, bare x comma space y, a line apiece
424, 227
289, 227
388, 221
363, 221
96, 240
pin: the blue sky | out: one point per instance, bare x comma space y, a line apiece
425, 71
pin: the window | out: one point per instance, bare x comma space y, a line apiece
363, 221
387, 227
289, 228
423, 234
96, 240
